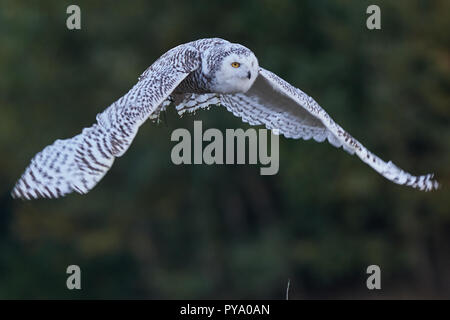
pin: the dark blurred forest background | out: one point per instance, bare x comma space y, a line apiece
151, 229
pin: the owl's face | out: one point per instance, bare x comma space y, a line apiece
237, 71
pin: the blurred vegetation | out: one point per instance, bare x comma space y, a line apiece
155, 230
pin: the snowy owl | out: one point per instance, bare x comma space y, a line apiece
192, 76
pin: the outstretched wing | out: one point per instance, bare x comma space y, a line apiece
78, 164
273, 102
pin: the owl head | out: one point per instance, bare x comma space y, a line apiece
232, 68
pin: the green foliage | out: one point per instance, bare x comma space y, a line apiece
155, 230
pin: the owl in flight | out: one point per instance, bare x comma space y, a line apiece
192, 76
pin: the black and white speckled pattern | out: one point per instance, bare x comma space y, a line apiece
278, 105
187, 76
78, 163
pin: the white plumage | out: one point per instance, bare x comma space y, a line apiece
193, 75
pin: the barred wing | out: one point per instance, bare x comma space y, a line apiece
273, 102
78, 164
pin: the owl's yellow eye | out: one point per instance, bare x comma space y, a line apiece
235, 64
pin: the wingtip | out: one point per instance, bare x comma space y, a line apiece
23, 191
427, 183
